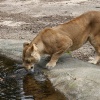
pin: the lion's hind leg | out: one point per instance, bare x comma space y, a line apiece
95, 41
94, 60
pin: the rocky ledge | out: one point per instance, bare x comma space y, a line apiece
76, 79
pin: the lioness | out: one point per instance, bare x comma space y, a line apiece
64, 37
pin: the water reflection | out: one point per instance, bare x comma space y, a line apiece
17, 84
41, 90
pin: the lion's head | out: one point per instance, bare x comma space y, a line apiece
30, 55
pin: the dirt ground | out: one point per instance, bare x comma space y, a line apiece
23, 19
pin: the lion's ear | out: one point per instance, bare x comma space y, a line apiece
34, 46
33, 49
26, 44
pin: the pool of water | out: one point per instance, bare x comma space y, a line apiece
17, 84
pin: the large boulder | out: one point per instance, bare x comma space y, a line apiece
76, 79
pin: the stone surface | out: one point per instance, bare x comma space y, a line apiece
36, 8
76, 79
11, 48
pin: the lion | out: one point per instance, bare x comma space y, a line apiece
64, 37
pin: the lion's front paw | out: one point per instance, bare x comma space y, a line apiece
51, 65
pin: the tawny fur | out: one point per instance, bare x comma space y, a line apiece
64, 37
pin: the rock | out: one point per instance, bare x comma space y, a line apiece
11, 48
76, 79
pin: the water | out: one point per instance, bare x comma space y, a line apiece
17, 84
